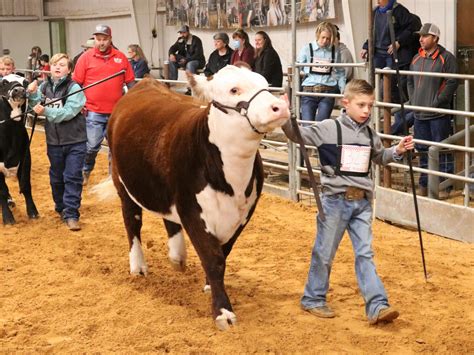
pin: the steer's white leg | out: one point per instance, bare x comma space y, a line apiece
137, 259
177, 251
226, 319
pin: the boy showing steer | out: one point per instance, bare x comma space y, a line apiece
347, 146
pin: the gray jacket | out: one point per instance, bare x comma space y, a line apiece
436, 92
324, 136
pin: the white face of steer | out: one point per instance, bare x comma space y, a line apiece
232, 85
13, 87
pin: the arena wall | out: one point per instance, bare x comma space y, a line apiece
132, 21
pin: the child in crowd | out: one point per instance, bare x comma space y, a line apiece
65, 137
346, 147
44, 66
7, 66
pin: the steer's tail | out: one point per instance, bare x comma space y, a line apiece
105, 190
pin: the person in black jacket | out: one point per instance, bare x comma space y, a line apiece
267, 61
221, 56
186, 53
383, 49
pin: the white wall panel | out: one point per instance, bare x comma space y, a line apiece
78, 31
440, 12
65, 8
17, 36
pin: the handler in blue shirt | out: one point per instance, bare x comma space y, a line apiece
325, 79
66, 137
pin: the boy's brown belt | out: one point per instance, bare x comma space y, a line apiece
353, 193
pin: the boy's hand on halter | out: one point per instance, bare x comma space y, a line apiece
405, 144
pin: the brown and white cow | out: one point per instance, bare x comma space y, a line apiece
194, 163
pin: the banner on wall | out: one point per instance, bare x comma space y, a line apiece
217, 14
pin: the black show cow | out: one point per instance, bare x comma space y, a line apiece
15, 159
195, 164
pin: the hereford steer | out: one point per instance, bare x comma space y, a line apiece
15, 159
196, 164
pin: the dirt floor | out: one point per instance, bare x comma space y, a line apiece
71, 292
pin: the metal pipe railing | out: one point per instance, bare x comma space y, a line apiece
433, 161
422, 73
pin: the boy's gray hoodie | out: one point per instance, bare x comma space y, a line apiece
436, 92
324, 136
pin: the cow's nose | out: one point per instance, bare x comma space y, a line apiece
280, 108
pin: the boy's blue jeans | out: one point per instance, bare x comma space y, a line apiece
356, 217
96, 126
65, 175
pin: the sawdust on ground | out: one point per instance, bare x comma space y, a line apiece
71, 292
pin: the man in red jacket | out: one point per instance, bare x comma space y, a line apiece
95, 64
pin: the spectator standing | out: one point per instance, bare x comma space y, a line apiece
33, 63
243, 50
267, 60
403, 24
138, 61
347, 145
221, 56
90, 43
66, 137
98, 63
321, 79
346, 56
435, 92
187, 52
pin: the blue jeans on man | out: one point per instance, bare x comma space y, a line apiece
65, 174
435, 130
317, 108
384, 60
356, 218
398, 128
191, 66
96, 126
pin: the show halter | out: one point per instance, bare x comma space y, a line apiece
242, 108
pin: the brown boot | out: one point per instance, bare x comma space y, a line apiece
321, 311
423, 191
385, 315
73, 224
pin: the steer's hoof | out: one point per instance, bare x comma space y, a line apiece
139, 271
8, 218
33, 215
11, 203
178, 265
206, 289
226, 319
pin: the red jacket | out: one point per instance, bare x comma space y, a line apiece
93, 66
247, 56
